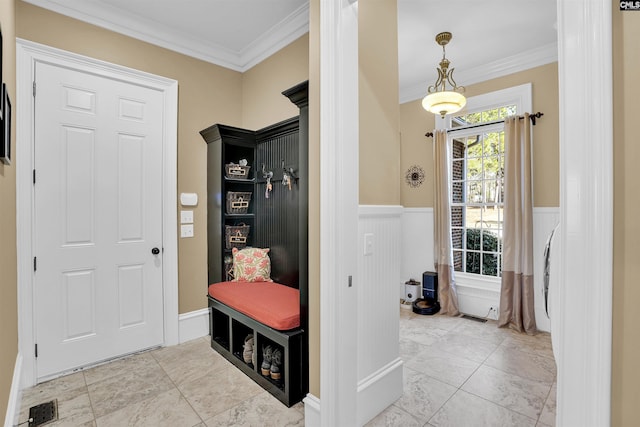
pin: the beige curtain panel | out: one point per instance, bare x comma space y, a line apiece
442, 227
516, 295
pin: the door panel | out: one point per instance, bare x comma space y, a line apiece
98, 214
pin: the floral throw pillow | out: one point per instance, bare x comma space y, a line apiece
251, 265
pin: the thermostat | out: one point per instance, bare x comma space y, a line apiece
189, 199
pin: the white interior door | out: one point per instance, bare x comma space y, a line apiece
98, 217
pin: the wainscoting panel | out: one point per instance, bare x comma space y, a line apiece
417, 244
379, 366
476, 297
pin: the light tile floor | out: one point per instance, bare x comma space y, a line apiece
457, 373
182, 386
462, 373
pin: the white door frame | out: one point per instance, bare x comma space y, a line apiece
339, 127
27, 54
586, 188
586, 212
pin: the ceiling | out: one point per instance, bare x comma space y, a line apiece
491, 38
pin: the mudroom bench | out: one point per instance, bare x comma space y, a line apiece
229, 328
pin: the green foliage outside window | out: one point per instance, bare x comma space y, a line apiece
485, 262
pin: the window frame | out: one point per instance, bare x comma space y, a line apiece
464, 133
521, 97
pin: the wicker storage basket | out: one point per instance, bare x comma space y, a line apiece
237, 171
238, 202
236, 236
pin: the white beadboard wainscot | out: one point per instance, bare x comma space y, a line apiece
379, 363
475, 296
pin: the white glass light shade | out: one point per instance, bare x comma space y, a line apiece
445, 102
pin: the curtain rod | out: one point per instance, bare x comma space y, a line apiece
532, 117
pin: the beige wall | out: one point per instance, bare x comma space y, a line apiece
378, 97
625, 393
208, 94
314, 198
8, 266
418, 150
261, 85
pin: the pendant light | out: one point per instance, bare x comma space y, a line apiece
439, 99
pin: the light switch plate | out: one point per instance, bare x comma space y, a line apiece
186, 217
186, 230
368, 243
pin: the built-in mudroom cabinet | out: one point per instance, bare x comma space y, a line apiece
257, 191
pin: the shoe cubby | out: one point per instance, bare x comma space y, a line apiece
220, 329
292, 386
265, 343
240, 332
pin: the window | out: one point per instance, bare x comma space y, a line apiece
477, 169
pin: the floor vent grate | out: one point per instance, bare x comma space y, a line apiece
477, 319
43, 413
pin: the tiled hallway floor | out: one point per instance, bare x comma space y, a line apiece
462, 373
457, 373
181, 386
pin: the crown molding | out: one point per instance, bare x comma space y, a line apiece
104, 16
523, 61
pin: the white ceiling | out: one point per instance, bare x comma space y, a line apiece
490, 37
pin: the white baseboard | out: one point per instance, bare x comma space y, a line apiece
379, 390
192, 325
15, 395
311, 411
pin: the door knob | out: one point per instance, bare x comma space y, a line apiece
155, 251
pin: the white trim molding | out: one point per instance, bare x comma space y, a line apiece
138, 27
27, 55
537, 57
379, 365
311, 411
338, 211
15, 395
379, 390
194, 324
586, 213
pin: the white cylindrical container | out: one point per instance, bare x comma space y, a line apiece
412, 291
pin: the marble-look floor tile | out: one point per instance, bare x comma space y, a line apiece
423, 395
524, 364
260, 410
127, 388
69, 390
190, 361
439, 321
465, 409
470, 347
51, 389
409, 348
539, 344
420, 332
519, 394
392, 417
137, 362
548, 415
74, 412
213, 394
70, 422
488, 330
165, 409
446, 367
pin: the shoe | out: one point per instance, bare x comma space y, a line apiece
266, 360
276, 363
247, 353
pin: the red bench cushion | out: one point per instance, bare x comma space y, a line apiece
272, 304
